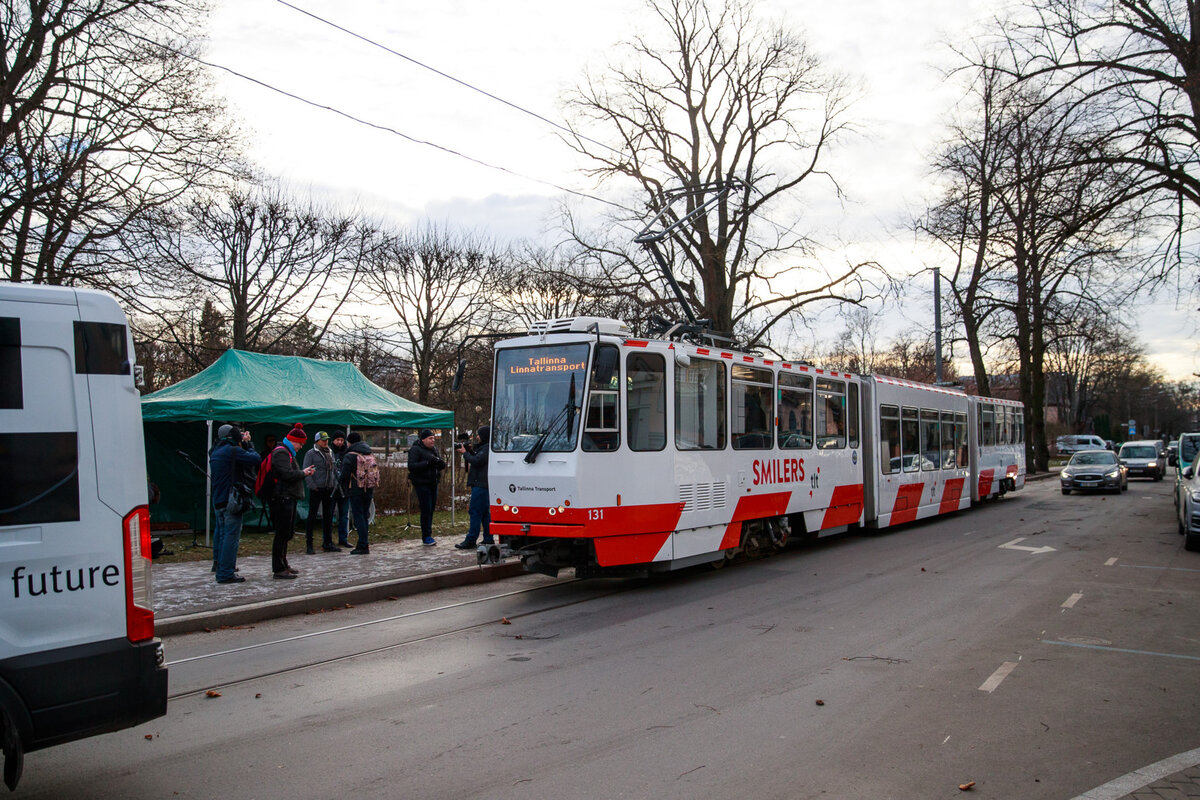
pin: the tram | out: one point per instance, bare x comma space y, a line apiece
613, 454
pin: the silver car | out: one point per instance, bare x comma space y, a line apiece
1094, 470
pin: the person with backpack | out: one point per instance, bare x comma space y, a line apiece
232, 462
281, 484
320, 484
359, 477
424, 471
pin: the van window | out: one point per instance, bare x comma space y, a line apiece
41, 478
100, 349
11, 391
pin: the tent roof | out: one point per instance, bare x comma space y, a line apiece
256, 387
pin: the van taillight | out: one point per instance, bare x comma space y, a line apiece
139, 618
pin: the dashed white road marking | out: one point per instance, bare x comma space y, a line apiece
998, 677
1110, 562
1072, 600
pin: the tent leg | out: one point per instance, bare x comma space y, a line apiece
208, 506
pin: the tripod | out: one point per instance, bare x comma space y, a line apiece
202, 471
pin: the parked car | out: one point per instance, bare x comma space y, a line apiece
1097, 470
1069, 445
1186, 448
1143, 459
1187, 501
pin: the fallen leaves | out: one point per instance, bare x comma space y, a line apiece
966, 787
212, 693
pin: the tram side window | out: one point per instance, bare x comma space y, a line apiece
1020, 412
931, 438
795, 411
960, 439
852, 415
987, 425
601, 428
831, 414
646, 401
1010, 425
700, 406
949, 439
1003, 419
889, 439
910, 439
753, 407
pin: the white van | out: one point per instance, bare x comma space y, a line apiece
78, 655
1069, 445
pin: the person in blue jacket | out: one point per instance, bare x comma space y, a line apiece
231, 461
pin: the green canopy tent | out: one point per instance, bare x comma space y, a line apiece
268, 394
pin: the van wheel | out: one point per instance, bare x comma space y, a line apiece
1192, 542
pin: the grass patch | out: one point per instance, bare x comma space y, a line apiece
257, 542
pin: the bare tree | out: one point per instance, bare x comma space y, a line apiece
280, 271
103, 117
1135, 61
434, 281
719, 100
1042, 225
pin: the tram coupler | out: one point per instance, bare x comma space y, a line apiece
492, 553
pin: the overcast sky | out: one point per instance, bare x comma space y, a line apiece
528, 52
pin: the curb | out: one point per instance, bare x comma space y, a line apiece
363, 593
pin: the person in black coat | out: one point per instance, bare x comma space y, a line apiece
476, 457
424, 471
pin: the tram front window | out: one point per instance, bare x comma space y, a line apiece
538, 396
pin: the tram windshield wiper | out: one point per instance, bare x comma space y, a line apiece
567, 413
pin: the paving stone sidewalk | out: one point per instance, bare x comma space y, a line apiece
187, 596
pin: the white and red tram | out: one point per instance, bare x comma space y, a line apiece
612, 453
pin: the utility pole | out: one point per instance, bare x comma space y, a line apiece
937, 324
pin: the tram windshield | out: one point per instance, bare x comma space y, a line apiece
539, 396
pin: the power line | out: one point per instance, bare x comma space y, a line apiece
376, 125
449, 77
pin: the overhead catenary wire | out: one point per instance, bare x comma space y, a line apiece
376, 125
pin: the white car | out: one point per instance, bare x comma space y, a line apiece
1144, 458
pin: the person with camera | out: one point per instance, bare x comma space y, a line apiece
233, 464
476, 456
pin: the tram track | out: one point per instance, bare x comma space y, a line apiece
359, 626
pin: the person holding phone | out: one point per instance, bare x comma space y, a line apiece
289, 489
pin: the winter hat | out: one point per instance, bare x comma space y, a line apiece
425, 433
354, 438
297, 436
484, 433
338, 435
225, 431
320, 437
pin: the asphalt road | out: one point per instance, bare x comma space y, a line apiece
1038, 646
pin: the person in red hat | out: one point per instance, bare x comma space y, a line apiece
289, 489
